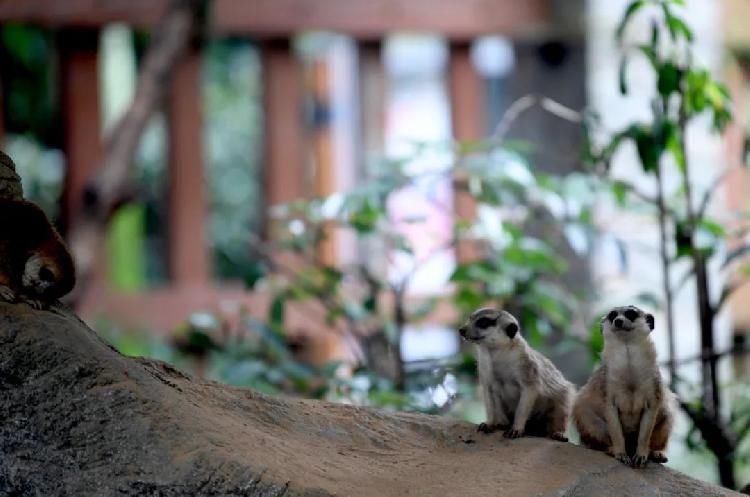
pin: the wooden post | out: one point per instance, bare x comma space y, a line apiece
188, 248
467, 114
372, 96
325, 178
82, 141
285, 172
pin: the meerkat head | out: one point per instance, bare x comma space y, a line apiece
627, 322
490, 327
38, 276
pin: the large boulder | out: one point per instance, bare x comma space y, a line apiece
10, 182
77, 418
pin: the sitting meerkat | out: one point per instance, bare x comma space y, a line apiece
35, 264
624, 408
523, 391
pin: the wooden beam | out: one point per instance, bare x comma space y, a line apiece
373, 18
82, 13
188, 248
279, 18
82, 142
467, 114
285, 170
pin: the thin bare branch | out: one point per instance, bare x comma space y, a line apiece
111, 185
706, 199
527, 102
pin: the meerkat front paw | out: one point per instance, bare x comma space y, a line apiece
7, 294
621, 456
639, 461
490, 428
658, 456
559, 436
35, 304
513, 433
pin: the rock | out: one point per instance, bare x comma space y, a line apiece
77, 418
10, 182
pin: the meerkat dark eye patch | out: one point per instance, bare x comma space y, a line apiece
484, 323
611, 316
46, 275
631, 314
650, 321
511, 330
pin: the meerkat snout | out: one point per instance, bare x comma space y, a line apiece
462, 331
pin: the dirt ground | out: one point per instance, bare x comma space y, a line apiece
77, 418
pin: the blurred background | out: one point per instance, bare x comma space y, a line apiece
307, 197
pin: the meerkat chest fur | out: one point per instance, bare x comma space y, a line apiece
499, 370
633, 379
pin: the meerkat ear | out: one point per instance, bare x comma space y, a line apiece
511, 330
650, 321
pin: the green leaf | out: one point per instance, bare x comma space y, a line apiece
674, 145
649, 151
364, 219
650, 54
668, 19
679, 27
596, 341
634, 7
254, 272
668, 79
682, 239
276, 311
713, 227
620, 190
468, 298
722, 117
655, 34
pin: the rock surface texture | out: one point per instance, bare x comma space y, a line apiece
79, 419
10, 182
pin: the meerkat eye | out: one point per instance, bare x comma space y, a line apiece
484, 323
631, 314
611, 316
46, 275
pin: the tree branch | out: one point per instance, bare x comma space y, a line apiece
110, 185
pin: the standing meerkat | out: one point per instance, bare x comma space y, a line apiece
624, 408
523, 391
35, 264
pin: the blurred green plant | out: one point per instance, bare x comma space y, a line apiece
513, 269
232, 134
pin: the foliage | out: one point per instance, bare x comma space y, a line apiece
254, 355
30, 100
512, 268
231, 89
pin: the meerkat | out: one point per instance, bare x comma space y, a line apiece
624, 408
523, 392
35, 264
